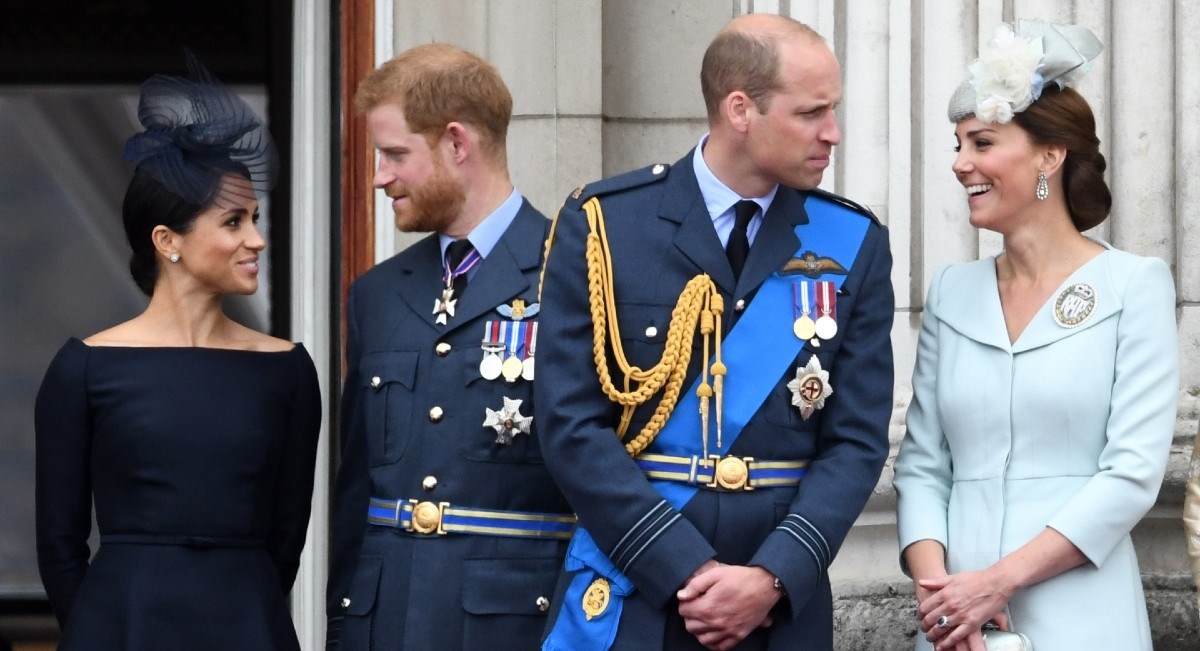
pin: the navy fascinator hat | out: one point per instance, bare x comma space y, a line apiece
196, 132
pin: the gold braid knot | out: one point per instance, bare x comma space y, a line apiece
700, 305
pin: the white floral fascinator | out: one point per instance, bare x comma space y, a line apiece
1011, 74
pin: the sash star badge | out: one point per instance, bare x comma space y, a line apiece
508, 422
810, 388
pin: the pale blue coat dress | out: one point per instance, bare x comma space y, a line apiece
1068, 428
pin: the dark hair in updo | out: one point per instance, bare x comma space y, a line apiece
149, 204
1063, 117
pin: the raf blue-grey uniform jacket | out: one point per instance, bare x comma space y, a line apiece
391, 589
661, 235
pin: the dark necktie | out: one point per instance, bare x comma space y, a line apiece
738, 247
456, 269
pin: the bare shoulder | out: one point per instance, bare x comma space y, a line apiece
250, 339
131, 334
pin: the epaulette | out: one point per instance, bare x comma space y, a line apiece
639, 177
843, 201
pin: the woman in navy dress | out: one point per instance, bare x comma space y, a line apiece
193, 437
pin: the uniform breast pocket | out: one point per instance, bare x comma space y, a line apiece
644, 330
780, 407
388, 379
496, 428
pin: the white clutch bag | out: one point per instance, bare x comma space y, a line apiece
995, 639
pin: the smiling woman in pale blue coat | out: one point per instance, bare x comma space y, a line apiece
1046, 378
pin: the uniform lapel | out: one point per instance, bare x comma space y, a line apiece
775, 242
500, 277
696, 238
421, 283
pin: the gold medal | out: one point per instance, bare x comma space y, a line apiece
804, 328
595, 598
512, 368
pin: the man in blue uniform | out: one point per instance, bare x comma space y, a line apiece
716, 369
448, 532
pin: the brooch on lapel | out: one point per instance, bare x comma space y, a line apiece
1074, 305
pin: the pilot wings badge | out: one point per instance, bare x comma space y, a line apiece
813, 266
518, 310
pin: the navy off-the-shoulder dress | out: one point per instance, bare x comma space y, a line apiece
199, 462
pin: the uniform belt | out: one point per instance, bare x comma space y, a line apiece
722, 473
179, 540
441, 518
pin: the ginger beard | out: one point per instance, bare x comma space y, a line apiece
432, 206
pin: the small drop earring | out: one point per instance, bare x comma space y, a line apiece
1043, 188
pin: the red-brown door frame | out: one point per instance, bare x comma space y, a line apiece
357, 156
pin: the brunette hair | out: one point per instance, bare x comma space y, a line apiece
436, 84
148, 203
1063, 117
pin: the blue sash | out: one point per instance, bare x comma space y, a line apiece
834, 231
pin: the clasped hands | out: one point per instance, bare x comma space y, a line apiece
967, 601
722, 604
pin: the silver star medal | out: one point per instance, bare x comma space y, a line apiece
810, 388
508, 422
444, 307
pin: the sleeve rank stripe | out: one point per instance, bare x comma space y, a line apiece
643, 538
650, 540
649, 526
807, 538
816, 532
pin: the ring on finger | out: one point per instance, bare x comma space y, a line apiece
943, 622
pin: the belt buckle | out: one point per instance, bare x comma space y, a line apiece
427, 517
731, 473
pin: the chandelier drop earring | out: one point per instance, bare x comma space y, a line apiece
1043, 188
175, 256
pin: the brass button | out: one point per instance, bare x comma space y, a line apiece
345, 602
435, 414
429, 483
651, 331
375, 382
739, 305
442, 349
543, 604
